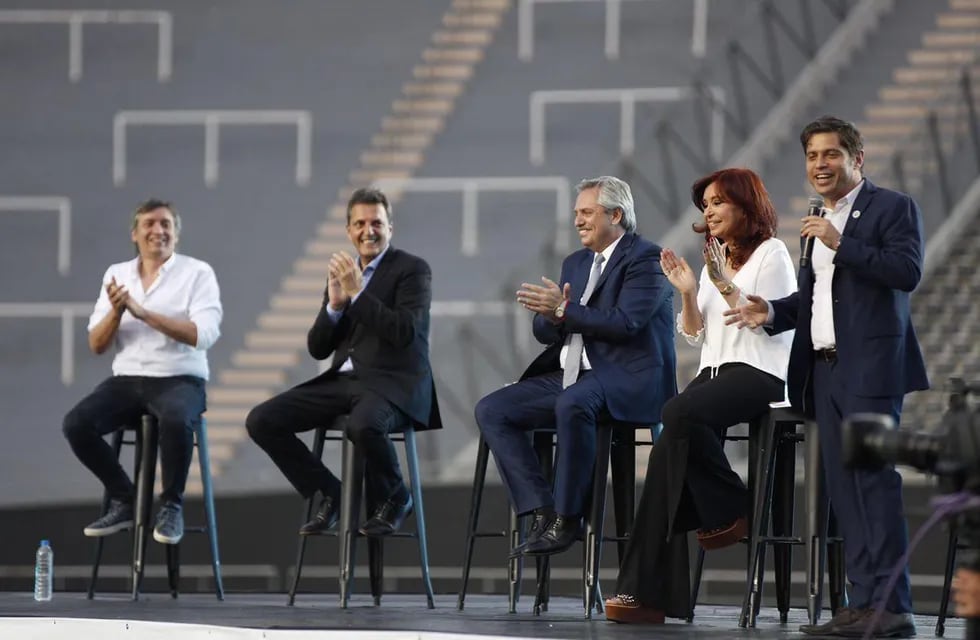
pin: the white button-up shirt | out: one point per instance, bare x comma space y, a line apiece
822, 322
186, 289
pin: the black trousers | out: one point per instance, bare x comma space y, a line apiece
176, 402
690, 483
273, 425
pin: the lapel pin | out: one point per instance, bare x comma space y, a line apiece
856, 215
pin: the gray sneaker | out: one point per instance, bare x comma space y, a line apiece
169, 528
118, 516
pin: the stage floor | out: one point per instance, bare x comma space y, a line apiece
483, 615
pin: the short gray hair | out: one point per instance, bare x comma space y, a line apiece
613, 194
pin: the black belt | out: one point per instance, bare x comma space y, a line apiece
827, 355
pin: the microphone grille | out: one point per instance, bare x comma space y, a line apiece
815, 201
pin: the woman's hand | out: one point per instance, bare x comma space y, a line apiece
678, 272
715, 260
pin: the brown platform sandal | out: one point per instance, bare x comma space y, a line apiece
625, 608
723, 536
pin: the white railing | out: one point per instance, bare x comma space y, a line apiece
613, 27
211, 120
77, 19
627, 99
470, 189
67, 311
58, 204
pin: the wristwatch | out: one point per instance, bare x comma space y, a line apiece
560, 310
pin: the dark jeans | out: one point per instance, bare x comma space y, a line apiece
176, 402
690, 483
273, 425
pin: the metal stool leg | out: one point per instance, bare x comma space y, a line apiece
144, 497
173, 568
473, 522
544, 447
204, 461
947, 578
696, 587
376, 568
783, 498
761, 445
318, 438
353, 481
413, 471
837, 569
817, 507
593, 528
624, 485
117, 441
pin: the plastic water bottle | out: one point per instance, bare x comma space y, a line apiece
43, 572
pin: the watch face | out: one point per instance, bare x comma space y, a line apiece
560, 311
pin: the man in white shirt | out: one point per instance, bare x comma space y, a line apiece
161, 312
854, 351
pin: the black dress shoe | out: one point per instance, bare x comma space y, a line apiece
558, 537
388, 518
325, 518
887, 625
542, 520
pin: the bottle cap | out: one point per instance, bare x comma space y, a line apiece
45, 543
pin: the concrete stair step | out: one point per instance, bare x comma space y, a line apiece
443, 72
481, 37
486, 19
255, 377
414, 141
939, 39
269, 340
943, 57
910, 93
925, 75
440, 89
412, 124
965, 5
249, 396
412, 159
423, 106
958, 20
456, 55
302, 303
282, 320
267, 358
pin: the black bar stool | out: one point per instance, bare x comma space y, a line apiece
352, 478
145, 461
772, 458
614, 442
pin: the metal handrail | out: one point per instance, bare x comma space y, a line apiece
77, 19
67, 312
59, 204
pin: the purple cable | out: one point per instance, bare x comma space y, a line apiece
943, 506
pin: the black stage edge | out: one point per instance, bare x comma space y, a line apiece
483, 615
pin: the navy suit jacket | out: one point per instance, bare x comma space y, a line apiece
627, 328
385, 332
876, 267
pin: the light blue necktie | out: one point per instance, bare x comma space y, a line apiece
573, 358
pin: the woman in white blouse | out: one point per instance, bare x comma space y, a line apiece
690, 483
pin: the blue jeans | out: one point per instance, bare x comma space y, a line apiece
176, 402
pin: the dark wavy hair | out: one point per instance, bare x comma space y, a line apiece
744, 189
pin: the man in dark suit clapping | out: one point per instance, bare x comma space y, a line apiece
375, 321
610, 337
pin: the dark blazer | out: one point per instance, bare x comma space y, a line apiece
385, 332
878, 264
627, 328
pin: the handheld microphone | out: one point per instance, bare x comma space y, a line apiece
815, 208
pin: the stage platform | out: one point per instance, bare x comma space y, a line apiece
318, 617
